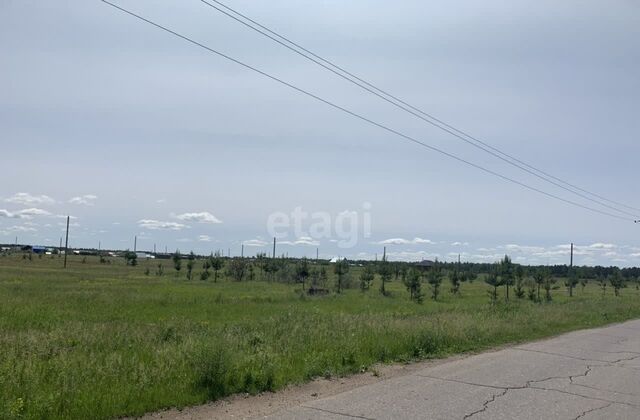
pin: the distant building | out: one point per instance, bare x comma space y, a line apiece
38, 249
425, 264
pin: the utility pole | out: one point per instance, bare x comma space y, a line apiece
99, 246
317, 254
571, 262
154, 249
384, 254
242, 252
135, 243
274, 247
66, 244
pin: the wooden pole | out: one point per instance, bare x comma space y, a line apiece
274, 247
571, 263
66, 244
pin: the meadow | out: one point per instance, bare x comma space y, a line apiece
108, 340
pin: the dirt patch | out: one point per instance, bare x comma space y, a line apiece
252, 406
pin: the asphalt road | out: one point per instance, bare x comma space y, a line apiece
589, 374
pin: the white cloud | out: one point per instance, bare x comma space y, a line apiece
304, 240
18, 228
159, 225
204, 238
524, 248
24, 214
86, 200
402, 241
8, 214
255, 242
408, 256
460, 244
29, 200
600, 245
201, 217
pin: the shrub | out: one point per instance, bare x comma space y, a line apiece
367, 276
413, 284
434, 278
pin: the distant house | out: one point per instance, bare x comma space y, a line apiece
144, 255
425, 264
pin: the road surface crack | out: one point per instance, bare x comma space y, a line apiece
353, 416
485, 405
584, 413
563, 355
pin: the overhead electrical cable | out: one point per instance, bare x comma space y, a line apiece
403, 105
361, 117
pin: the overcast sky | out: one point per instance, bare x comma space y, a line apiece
135, 132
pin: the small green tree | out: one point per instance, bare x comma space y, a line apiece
160, 270
469, 276
191, 262
413, 284
177, 261
531, 289
403, 271
323, 277
583, 283
547, 284
302, 272
506, 274
455, 278
385, 271
130, 258
341, 269
538, 278
493, 280
217, 262
204, 274
237, 268
271, 267
602, 283
434, 278
571, 281
617, 282
261, 263
520, 276
367, 276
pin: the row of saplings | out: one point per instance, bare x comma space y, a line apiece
516, 280
524, 283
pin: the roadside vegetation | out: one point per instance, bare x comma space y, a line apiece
110, 337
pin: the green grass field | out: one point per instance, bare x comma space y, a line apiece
102, 341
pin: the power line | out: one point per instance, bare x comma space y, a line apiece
401, 104
359, 116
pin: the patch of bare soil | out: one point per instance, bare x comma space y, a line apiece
252, 406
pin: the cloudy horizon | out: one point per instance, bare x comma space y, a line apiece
134, 133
